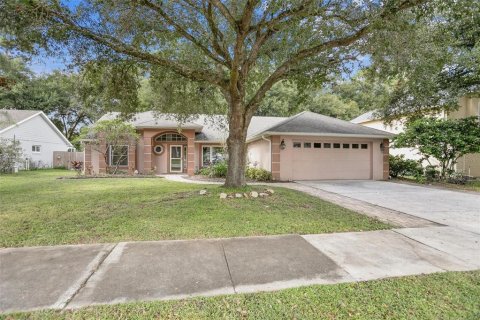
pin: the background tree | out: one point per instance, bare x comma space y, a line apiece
108, 137
437, 62
210, 48
444, 140
69, 99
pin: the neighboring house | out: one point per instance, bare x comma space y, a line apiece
306, 146
468, 107
38, 136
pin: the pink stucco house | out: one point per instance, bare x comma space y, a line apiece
306, 146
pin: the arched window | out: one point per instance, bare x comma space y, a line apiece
169, 137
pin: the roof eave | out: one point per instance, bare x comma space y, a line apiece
315, 134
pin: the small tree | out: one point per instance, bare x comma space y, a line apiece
445, 140
107, 137
10, 154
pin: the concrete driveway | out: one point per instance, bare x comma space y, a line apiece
451, 208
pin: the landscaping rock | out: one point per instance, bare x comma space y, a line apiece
246, 195
254, 194
238, 195
263, 194
223, 195
270, 191
203, 192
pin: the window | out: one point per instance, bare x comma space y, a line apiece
307, 144
212, 155
354, 145
158, 149
170, 137
346, 146
327, 145
336, 145
36, 148
118, 155
364, 146
297, 144
317, 145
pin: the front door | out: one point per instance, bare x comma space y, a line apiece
176, 159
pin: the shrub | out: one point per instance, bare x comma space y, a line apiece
457, 178
258, 174
432, 173
399, 166
217, 170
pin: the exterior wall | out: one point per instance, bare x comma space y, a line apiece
275, 157
470, 163
149, 162
37, 131
330, 163
395, 128
259, 155
469, 107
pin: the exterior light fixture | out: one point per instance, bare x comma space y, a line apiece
282, 145
381, 147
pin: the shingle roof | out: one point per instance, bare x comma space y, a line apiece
215, 128
208, 127
367, 116
314, 123
9, 117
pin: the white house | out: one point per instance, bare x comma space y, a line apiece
38, 136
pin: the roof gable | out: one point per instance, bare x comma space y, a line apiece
13, 118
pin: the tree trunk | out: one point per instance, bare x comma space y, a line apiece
239, 120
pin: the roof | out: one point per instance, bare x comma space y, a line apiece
367, 116
214, 128
211, 128
9, 118
310, 123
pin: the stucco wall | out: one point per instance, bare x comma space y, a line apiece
259, 155
37, 131
310, 164
469, 107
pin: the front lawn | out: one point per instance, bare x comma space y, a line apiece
471, 185
36, 208
452, 295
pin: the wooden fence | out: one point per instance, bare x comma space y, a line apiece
65, 158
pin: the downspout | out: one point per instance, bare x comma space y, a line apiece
270, 150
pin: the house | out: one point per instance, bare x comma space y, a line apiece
37, 135
304, 146
468, 107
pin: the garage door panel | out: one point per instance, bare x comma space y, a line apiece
318, 164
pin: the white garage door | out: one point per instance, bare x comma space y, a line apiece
331, 160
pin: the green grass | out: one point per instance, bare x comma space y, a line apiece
452, 295
472, 185
36, 208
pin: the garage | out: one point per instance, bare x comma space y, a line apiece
311, 146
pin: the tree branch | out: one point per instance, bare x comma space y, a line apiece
182, 31
225, 12
121, 47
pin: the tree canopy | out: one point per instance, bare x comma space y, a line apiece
68, 99
207, 51
444, 140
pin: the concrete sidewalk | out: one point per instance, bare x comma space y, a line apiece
80, 275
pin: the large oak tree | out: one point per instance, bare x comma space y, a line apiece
235, 49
